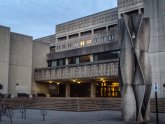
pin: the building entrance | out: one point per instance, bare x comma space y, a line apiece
80, 90
57, 90
107, 89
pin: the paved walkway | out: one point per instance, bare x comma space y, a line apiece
62, 117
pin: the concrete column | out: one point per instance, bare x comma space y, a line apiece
67, 90
92, 31
93, 90
66, 61
91, 58
139, 11
77, 60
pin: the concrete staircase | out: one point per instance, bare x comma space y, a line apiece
161, 105
75, 104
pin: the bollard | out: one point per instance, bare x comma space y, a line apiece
9, 113
43, 113
23, 112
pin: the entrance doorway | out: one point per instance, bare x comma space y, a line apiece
107, 89
57, 90
80, 90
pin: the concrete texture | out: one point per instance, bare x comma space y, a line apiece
62, 117
154, 9
39, 60
4, 58
20, 71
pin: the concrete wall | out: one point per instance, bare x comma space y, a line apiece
155, 9
40, 51
20, 73
4, 57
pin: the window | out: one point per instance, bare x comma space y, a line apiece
58, 47
85, 58
99, 30
72, 60
104, 38
89, 42
82, 43
63, 46
111, 37
69, 45
60, 62
76, 44
106, 56
86, 33
95, 40
52, 49
73, 36
61, 38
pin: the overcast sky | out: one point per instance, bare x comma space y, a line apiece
38, 18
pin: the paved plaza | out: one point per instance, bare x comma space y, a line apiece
61, 117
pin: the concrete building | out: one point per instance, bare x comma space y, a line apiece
16, 55
81, 59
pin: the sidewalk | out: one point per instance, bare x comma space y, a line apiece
62, 117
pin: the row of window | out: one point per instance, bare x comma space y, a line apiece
85, 58
89, 32
86, 42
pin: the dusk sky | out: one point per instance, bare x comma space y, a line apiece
38, 18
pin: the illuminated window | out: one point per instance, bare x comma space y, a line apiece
82, 43
89, 41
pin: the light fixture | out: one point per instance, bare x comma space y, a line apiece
50, 82
103, 81
74, 80
58, 83
78, 82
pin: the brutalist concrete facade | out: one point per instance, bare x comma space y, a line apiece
16, 54
89, 35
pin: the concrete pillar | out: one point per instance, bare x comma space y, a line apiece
139, 11
66, 61
92, 31
91, 58
93, 90
67, 90
77, 60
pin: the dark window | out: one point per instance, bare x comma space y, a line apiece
60, 62
49, 63
72, 60
85, 58
105, 56
112, 28
1, 87
61, 38
52, 49
100, 30
73, 36
63, 46
86, 33
163, 85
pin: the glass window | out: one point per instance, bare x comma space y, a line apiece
89, 42
85, 58
72, 60
82, 43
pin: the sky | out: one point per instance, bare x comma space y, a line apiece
38, 18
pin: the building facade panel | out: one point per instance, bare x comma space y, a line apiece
4, 58
154, 9
20, 72
84, 71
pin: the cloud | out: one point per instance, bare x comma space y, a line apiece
38, 16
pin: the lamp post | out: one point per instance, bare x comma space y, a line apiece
156, 89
